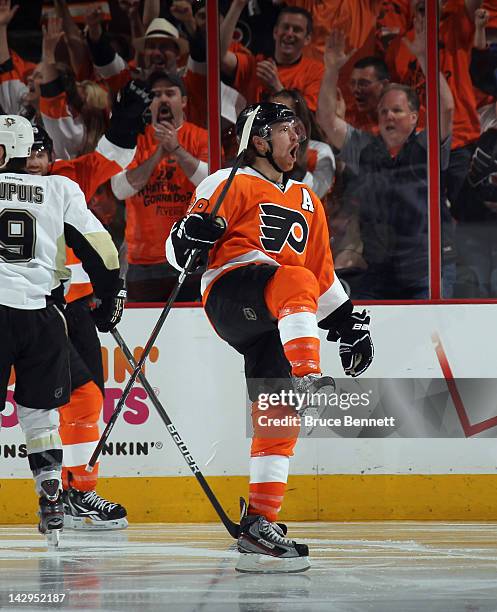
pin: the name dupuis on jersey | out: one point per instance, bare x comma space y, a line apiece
23, 193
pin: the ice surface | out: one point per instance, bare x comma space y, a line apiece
356, 567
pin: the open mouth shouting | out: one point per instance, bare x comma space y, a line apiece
360, 101
164, 113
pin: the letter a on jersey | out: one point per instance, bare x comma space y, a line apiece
280, 225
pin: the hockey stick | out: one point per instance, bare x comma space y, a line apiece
233, 528
183, 274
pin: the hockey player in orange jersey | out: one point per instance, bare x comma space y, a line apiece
268, 287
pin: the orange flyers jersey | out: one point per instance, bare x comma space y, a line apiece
266, 224
23, 67
456, 36
93, 169
151, 212
305, 75
66, 130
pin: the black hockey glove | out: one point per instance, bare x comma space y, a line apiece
352, 330
110, 310
196, 231
484, 160
128, 115
356, 348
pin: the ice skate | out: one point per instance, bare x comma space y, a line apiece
314, 387
264, 549
87, 510
51, 512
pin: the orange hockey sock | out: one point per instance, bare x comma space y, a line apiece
79, 433
266, 498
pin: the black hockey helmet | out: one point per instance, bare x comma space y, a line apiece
42, 141
268, 114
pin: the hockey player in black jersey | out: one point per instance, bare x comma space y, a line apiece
39, 215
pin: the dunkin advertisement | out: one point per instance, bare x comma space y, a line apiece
427, 404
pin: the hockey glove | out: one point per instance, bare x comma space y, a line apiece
128, 115
484, 160
196, 231
110, 310
356, 348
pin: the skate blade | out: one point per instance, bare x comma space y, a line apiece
53, 538
88, 524
264, 564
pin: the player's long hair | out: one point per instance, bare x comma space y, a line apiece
88, 100
95, 112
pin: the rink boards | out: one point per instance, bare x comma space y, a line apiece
438, 462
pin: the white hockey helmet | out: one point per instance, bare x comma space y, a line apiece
16, 135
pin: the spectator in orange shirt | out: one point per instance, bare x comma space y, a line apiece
257, 77
367, 81
157, 186
456, 36
366, 84
356, 17
394, 19
163, 46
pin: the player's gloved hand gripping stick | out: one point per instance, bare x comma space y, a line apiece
191, 261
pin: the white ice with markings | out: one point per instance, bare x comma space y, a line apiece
356, 567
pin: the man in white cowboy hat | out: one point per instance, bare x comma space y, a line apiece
162, 45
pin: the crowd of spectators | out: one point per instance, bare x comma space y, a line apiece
354, 73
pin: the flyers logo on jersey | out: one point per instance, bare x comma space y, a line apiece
280, 226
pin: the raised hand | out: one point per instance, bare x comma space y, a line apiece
130, 7
52, 34
94, 18
335, 55
6, 12
417, 46
481, 18
181, 10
